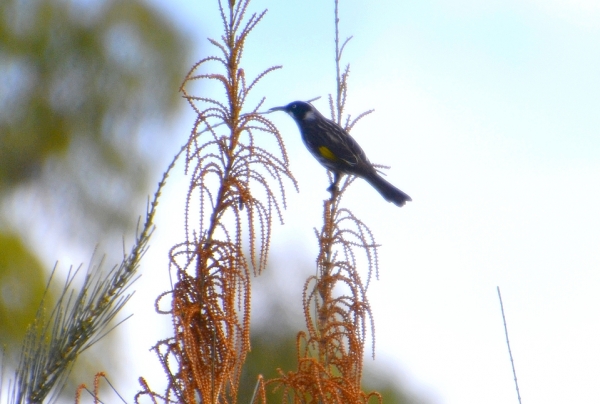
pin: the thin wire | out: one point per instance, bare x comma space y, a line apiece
114, 389
512, 363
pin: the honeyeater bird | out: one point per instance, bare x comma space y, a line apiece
335, 149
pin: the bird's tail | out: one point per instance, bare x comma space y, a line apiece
389, 192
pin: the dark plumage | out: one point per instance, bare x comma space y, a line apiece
335, 149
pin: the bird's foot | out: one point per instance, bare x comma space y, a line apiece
334, 190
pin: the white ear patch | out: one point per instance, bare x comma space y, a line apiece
309, 116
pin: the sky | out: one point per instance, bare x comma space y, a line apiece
488, 114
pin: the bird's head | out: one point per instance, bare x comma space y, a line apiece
299, 110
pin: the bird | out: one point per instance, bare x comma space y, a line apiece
337, 151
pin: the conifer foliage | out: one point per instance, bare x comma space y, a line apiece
236, 187
337, 312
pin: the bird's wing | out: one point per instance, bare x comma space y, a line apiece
339, 143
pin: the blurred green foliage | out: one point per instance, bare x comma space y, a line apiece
81, 84
22, 283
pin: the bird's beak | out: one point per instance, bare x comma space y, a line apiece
277, 109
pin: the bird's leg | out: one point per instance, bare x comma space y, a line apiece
333, 188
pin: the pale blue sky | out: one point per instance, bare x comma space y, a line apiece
489, 114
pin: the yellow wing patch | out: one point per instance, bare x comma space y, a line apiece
328, 154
